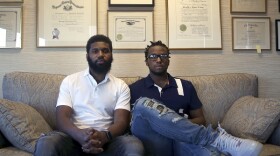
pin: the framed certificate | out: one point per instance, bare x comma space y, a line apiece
11, 1
65, 23
245, 6
194, 24
129, 3
10, 27
130, 30
251, 33
277, 29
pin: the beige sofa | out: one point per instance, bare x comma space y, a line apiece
28, 108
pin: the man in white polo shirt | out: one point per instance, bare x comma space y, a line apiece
93, 111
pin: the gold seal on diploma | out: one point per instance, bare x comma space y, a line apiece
55, 33
183, 27
119, 37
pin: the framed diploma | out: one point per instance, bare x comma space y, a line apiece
130, 30
10, 27
250, 33
277, 24
136, 3
245, 6
65, 23
11, 1
194, 24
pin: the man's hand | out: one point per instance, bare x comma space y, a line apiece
93, 147
84, 135
95, 143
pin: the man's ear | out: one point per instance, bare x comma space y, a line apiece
146, 62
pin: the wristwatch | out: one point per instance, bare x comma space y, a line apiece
108, 135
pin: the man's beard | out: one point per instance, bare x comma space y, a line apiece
104, 68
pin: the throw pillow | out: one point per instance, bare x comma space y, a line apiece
252, 118
21, 124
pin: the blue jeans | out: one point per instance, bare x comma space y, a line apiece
59, 144
166, 133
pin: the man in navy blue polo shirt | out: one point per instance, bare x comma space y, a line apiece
167, 115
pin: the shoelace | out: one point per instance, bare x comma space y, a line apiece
226, 141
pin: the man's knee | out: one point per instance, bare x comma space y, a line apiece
51, 144
148, 106
132, 145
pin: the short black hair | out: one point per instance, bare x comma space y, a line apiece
99, 38
157, 43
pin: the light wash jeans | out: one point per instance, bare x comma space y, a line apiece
166, 133
59, 144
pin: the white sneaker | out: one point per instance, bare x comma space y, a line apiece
235, 146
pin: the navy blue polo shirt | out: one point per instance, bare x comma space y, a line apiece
169, 95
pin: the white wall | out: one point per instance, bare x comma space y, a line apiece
131, 62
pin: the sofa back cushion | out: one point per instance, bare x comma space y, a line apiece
218, 92
39, 90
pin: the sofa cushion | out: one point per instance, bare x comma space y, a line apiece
21, 124
39, 90
218, 92
130, 80
13, 151
270, 150
253, 118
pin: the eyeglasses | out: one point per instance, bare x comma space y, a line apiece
154, 57
96, 50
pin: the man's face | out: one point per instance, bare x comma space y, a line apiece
100, 57
157, 60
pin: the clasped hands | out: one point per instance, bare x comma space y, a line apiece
92, 141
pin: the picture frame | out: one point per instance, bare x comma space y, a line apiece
130, 29
65, 23
131, 3
277, 30
251, 33
11, 1
248, 6
194, 24
11, 27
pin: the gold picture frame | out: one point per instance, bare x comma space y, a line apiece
251, 33
11, 27
11, 1
65, 23
130, 29
194, 24
248, 6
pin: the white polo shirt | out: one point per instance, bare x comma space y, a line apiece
93, 104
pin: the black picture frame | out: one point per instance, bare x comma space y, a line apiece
277, 33
128, 3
